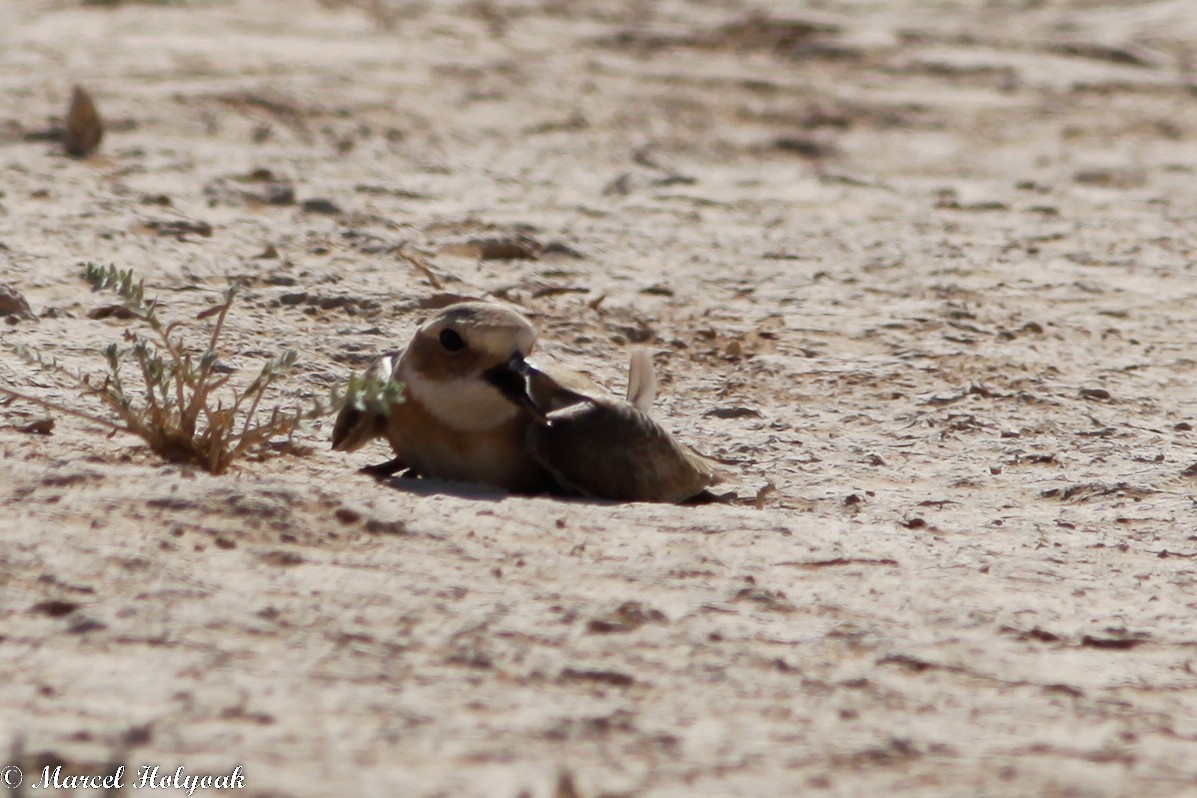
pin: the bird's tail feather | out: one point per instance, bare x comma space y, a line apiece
642, 380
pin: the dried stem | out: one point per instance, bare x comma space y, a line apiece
178, 390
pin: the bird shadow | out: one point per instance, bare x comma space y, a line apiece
430, 486
426, 486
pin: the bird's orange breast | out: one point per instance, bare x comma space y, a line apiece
497, 456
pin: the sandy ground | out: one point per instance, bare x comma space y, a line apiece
927, 268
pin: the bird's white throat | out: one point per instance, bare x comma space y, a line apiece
469, 404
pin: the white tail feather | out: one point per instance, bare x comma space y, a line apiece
642, 380
383, 368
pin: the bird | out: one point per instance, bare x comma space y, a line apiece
475, 408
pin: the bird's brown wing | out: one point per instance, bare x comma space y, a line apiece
611, 450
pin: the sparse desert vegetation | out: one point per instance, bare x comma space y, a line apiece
920, 274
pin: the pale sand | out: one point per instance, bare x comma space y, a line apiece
891, 255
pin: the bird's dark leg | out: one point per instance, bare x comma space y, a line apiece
387, 469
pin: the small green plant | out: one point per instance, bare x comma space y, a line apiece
180, 401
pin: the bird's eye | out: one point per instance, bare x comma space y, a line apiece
451, 341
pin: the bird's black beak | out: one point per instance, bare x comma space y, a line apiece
513, 379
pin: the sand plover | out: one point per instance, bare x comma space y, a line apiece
476, 410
